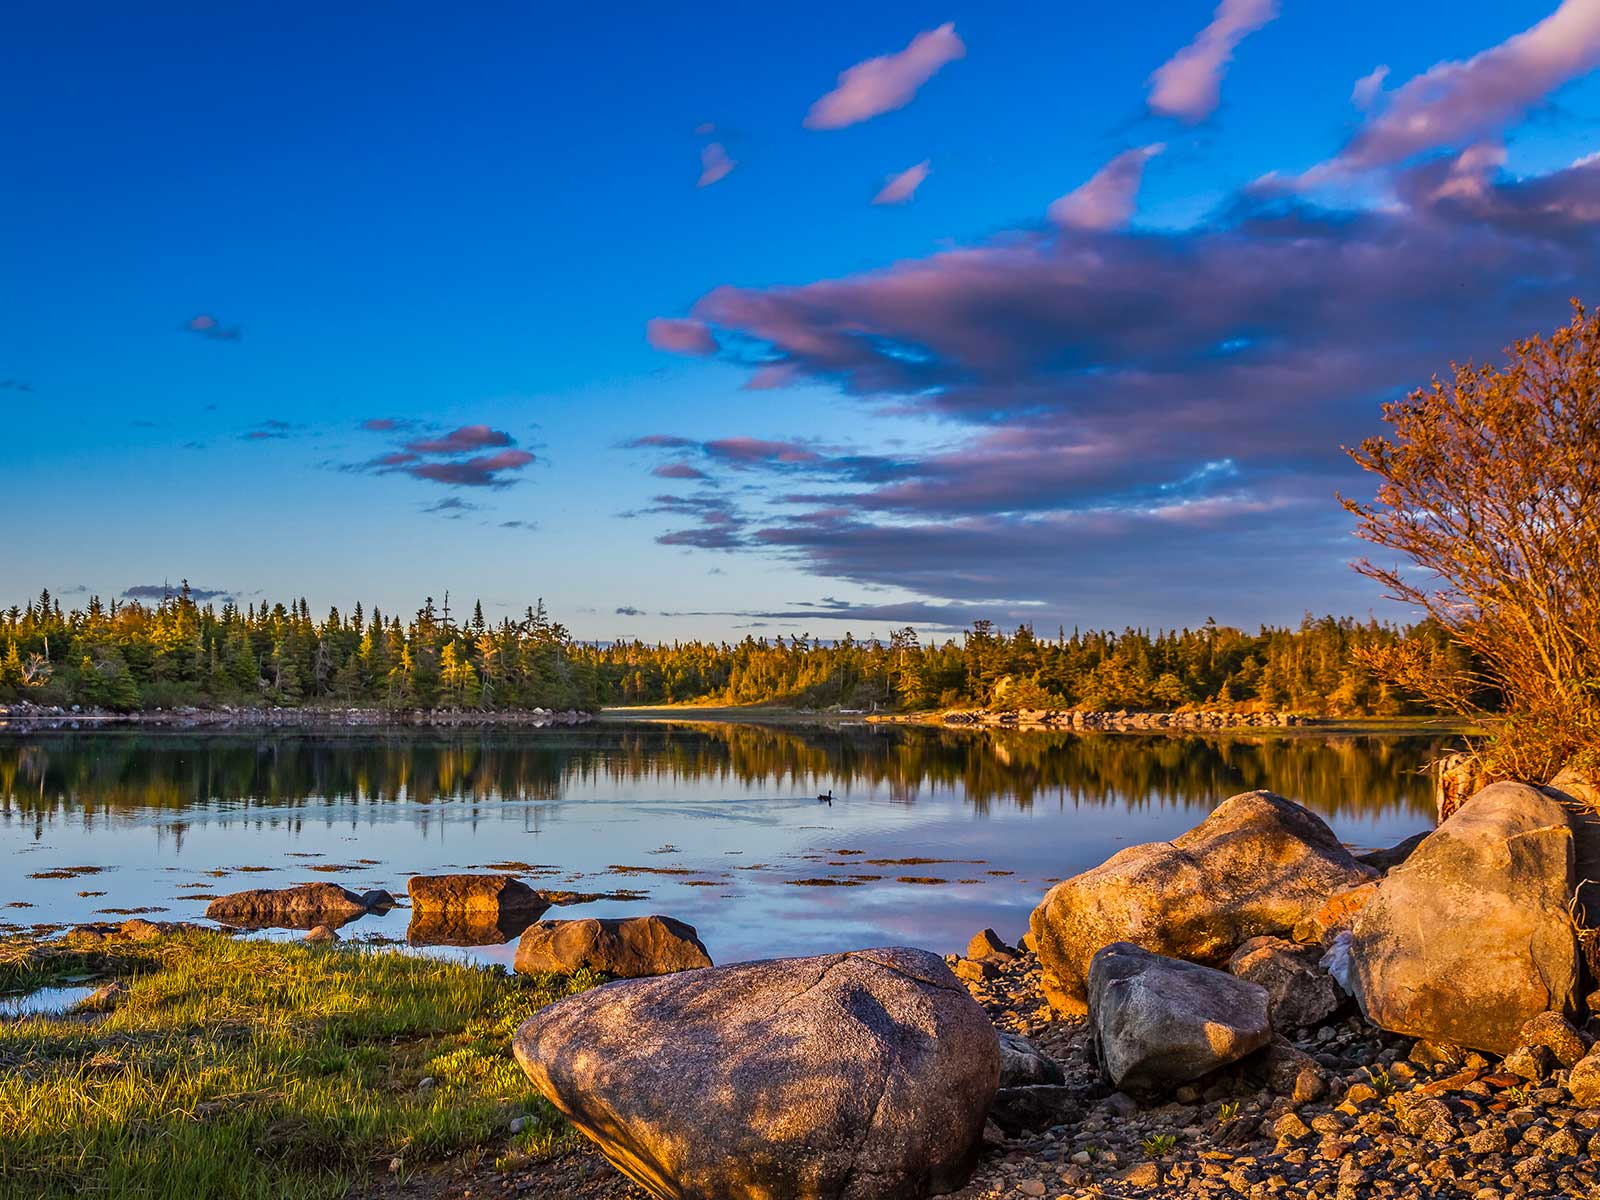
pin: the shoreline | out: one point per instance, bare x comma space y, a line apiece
29, 718
23, 718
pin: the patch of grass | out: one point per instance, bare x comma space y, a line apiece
1227, 1111
925, 879
1159, 1144
1382, 1082
245, 1068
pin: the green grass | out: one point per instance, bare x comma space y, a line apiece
244, 1068
1159, 1144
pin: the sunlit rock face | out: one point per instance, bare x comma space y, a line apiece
624, 947
1259, 864
859, 1076
1474, 935
472, 893
302, 907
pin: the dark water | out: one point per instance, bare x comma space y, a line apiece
714, 824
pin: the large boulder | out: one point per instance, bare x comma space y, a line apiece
473, 893
858, 1076
1299, 991
302, 907
1259, 864
1472, 936
1160, 1022
625, 947
1578, 793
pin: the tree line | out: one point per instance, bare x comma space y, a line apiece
127, 655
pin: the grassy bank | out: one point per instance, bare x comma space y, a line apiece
257, 1069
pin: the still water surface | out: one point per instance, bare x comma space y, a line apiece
717, 825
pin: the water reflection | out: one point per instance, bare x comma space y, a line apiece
110, 772
710, 823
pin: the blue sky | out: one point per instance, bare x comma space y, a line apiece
1094, 369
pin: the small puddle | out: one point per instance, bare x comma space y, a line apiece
43, 1002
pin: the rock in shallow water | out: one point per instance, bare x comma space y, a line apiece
1472, 937
625, 947
859, 1076
1259, 864
472, 893
1159, 1022
302, 907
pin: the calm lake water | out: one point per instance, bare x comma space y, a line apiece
717, 825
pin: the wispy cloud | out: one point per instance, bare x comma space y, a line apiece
160, 591
267, 431
384, 424
903, 186
450, 458
207, 326
680, 336
1188, 85
885, 83
15, 385
1369, 87
628, 610
1453, 104
715, 164
677, 470
1107, 200
452, 507
461, 441
1116, 406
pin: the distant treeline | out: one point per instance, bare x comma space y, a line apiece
127, 655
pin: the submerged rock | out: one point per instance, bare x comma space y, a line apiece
625, 947
1472, 937
302, 907
1259, 864
472, 893
859, 1076
1159, 1022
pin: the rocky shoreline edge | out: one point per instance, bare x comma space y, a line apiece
245, 717
1122, 719
1249, 1010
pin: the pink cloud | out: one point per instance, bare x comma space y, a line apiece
1106, 201
1368, 88
207, 326
888, 82
745, 450
903, 186
677, 470
1188, 85
1454, 103
714, 164
459, 441
680, 335
480, 471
